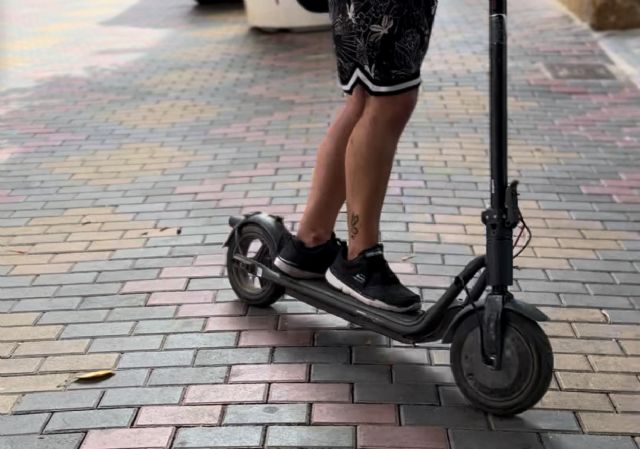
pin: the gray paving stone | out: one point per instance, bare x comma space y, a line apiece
110, 301
624, 316
266, 414
141, 313
59, 400
125, 397
580, 276
210, 340
448, 417
477, 439
66, 441
89, 289
538, 420
124, 344
103, 265
97, 330
90, 419
395, 393
152, 359
350, 338
233, 356
602, 265
389, 356
27, 292
186, 376
210, 437
169, 326
127, 275
65, 278
141, 253
596, 301
615, 290
85, 316
408, 374
164, 262
46, 304
125, 378
311, 355
350, 373
15, 281
565, 441
310, 437
22, 424
208, 283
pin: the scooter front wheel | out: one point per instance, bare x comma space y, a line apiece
525, 374
256, 243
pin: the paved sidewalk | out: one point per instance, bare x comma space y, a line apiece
130, 131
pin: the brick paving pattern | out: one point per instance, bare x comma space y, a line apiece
130, 131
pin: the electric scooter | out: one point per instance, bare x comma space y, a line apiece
500, 357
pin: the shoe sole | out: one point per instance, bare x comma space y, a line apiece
287, 268
344, 288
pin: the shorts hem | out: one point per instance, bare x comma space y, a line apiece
376, 89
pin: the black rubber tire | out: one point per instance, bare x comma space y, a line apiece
527, 366
268, 293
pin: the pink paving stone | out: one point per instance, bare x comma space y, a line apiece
600, 190
315, 392
256, 172
225, 394
402, 267
244, 202
238, 323
406, 437
199, 189
630, 183
627, 198
297, 158
275, 338
154, 285
206, 310
179, 416
11, 199
181, 297
219, 195
294, 372
157, 437
353, 414
311, 321
271, 209
192, 272
211, 259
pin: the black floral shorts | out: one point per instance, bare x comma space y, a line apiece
381, 44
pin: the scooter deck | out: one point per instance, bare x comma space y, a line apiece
404, 327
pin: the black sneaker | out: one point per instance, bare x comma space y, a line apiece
301, 262
369, 279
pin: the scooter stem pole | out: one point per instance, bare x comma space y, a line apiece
499, 235
499, 135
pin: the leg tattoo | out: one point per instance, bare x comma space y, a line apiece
353, 225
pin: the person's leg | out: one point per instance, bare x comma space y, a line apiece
328, 190
361, 270
369, 161
313, 250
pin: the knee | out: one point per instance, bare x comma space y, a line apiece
394, 111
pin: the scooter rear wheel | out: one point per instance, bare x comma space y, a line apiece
527, 365
255, 243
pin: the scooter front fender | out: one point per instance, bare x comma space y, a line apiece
272, 224
516, 306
